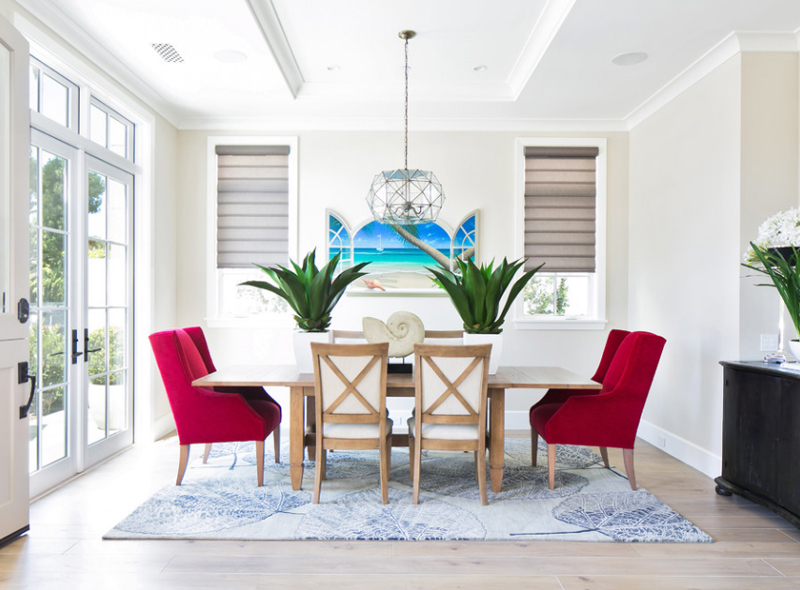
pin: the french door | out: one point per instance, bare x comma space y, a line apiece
81, 284
14, 325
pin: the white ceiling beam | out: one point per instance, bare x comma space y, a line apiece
542, 35
275, 38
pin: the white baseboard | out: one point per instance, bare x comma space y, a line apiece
694, 456
163, 426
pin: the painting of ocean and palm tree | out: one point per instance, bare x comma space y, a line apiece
398, 255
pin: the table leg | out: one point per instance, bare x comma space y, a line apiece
497, 430
296, 424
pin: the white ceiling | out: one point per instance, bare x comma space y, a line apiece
546, 60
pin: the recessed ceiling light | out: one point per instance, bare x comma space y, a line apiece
334, 68
480, 68
629, 59
230, 56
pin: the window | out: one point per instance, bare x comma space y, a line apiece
53, 95
561, 210
252, 216
110, 129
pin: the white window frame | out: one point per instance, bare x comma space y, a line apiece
111, 114
214, 275
73, 92
596, 320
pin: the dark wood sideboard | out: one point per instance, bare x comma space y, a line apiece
761, 436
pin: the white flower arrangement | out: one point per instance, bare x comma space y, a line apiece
782, 229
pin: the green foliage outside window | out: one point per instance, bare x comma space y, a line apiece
97, 360
538, 296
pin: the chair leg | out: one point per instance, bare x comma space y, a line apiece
534, 445
604, 455
260, 462
318, 468
480, 457
411, 458
184, 460
276, 441
627, 456
551, 466
323, 464
415, 478
206, 453
384, 469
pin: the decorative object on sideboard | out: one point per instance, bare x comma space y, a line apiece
405, 197
773, 253
402, 330
476, 293
312, 293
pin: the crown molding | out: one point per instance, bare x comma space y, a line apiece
732, 45
539, 40
269, 24
38, 15
264, 125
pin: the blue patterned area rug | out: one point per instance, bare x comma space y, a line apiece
220, 500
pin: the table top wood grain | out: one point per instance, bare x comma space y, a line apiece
288, 376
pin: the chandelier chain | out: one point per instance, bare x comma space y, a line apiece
406, 108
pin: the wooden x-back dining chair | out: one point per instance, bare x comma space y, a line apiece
350, 405
450, 406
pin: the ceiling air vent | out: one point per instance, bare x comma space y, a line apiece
167, 52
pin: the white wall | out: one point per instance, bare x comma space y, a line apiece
699, 189
164, 289
477, 171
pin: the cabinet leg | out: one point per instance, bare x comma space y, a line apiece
722, 491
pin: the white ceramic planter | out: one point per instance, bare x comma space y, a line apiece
496, 340
794, 346
302, 348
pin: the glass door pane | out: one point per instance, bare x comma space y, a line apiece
108, 297
51, 184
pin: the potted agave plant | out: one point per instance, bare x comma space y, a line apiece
476, 293
312, 293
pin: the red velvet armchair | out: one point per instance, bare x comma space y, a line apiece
249, 393
609, 418
206, 416
559, 396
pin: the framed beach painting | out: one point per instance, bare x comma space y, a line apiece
398, 256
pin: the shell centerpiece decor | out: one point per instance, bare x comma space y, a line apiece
402, 330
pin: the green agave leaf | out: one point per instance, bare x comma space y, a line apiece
457, 295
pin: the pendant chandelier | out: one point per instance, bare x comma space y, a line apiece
405, 197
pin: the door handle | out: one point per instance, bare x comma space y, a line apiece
75, 352
86, 349
22, 377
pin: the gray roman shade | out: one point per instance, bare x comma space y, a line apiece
560, 191
252, 206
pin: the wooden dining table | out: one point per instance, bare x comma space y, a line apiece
301, 406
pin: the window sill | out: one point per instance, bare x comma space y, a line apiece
560, 324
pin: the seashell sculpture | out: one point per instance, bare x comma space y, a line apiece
402, 330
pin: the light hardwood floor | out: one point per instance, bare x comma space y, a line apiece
754, 549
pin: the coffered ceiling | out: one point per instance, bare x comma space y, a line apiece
301, 63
